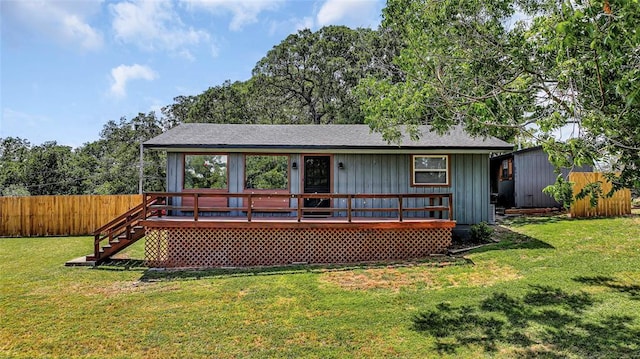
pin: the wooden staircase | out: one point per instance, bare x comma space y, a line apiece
120, 233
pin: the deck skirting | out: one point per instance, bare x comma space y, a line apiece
170, 246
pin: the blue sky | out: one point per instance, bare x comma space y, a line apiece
69, 66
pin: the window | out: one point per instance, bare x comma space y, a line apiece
430, 170
205, 171
506, 169
266, 172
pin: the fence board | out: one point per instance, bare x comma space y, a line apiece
617, 205
60, 215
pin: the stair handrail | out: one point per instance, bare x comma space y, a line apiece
119, 224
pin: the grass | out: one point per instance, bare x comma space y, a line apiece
552, 287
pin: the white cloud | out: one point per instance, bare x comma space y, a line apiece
123, 74
304, 23
244, 12
357, 13
64, 21
154, 25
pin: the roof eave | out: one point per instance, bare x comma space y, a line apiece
291, 148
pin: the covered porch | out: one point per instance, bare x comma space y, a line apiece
263, 229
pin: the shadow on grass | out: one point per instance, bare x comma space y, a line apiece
508, 239
545, 322
153, 275
116, 264
633, 290
550, 218
536, 219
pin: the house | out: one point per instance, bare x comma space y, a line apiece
519, 177
247, 195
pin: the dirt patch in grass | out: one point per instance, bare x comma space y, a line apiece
118, 288
122, 288
420, 275
485, 274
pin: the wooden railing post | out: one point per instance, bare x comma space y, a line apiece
250, 207
96, 246
299, 212
432, 203
349, 215
196, 208
144, 205
400, 208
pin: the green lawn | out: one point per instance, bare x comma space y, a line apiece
553, 287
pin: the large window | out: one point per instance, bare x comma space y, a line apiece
430, 170
266, 172
205, 171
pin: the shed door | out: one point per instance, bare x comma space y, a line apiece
317, 179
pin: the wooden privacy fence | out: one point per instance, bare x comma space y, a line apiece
60, 215
618, 205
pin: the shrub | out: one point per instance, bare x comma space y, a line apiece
481, 232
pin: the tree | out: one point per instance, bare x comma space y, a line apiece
47, 170
564, 65
89, 164
119, 163
178, 111
226, 103
13, 154
314, 73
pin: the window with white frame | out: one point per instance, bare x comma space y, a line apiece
430, 170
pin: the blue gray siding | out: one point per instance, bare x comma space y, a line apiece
175, 172
377, 173
364, 173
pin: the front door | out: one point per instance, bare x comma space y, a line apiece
317, 179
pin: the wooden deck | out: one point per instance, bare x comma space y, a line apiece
246, 229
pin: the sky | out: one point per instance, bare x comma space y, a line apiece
69, 66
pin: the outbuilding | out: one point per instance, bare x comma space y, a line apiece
518, 178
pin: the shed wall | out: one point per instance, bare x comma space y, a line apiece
532, 173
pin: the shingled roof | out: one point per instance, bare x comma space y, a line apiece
316, 137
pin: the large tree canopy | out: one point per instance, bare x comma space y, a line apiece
519, 68
314, 73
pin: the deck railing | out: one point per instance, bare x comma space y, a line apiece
423, 205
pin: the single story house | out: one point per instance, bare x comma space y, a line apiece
247, 195
518, 178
